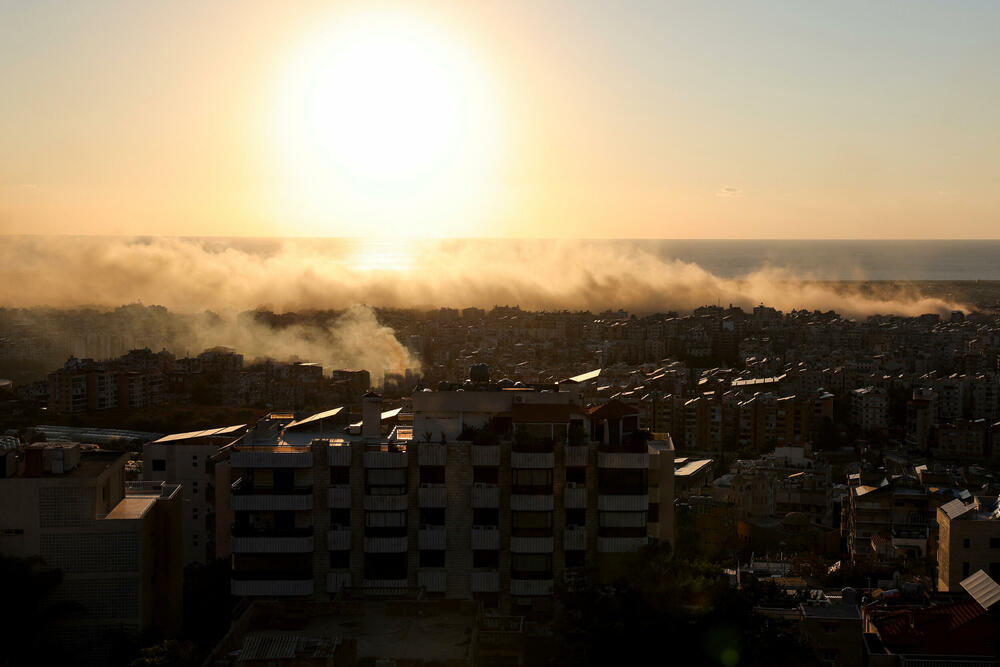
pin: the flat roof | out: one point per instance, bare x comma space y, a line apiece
132, 507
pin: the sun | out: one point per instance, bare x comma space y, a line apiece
384, 119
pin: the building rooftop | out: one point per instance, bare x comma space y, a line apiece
207, 433
132, 507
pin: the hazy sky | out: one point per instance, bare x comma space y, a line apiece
552, 119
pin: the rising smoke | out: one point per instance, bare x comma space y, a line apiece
191, 275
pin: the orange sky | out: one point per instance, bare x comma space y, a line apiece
552, 119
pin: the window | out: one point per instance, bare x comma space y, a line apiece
486, 559
432, 558
432, 474
433, 516
576, 558
340, 560
576, 517
576, 476
385, 481
340, 517
194, 486
995, 543
486, 517
654, 512
340, 475
194, 460
484, 474
965, 570
159, 465
531, 563
966, 543
532, 477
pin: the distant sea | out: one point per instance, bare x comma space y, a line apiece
840, 260
934, 260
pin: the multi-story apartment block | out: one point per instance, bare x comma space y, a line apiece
890, 521
498, 495
115, 544
968, 541
197, 461
870, 408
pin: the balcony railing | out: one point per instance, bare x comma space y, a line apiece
484, 455
575, 538
338, 497
530, 587
271, 457
429, 454
337, 580
532, 460
272, 545
484, 581
338, 539
264, 502
614, 545
432, 538
531, 545
385, 459
485, 537
631, 460
575, 497
575, 456
485, 496
433, 580
622, 503
393, 503
386, 545
520, 502
338, 455
433, 495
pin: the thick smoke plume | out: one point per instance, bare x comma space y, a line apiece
191, 275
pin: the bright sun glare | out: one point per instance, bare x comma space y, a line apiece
385, 124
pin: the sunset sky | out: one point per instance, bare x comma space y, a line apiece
495, 119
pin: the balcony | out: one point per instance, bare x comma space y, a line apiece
433, 580
486, 538
289, 541
575, 456
485, 455
520, 502
386, 460
433, 495
575, 538
250, 498
530, 587
528, 460
393, 503
271, 587
386, 545
484, 581
337, 580
622, 503
485, 496
531, 545
338, 539
338, 497
272, 457
575, 497
618, 545
388, 587
339, 455
633, 460
429, 454
432, 538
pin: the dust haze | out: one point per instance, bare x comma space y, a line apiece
192, 275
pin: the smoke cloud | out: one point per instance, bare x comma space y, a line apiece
191, 275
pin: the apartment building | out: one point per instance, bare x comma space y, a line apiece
494, 494
197, 460
890, 521
968, 541
116, 544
